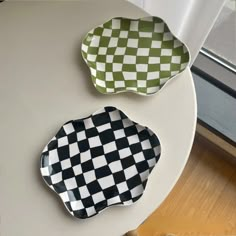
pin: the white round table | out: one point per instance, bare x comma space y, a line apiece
44, 83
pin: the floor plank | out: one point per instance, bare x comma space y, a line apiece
203, 201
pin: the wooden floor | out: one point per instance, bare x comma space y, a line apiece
204, 200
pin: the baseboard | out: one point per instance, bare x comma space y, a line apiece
217, 140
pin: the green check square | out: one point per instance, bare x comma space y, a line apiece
155, 52
104, 42
165, 59
111, 51
109, 67
142, 60
125, 24
118, 59
131, 83
153, 67
133, 34
129, 67
145, 43
145, 26
153, 83
141, 75
98, 31
131, 51
122, 42
115, 33
118, 76
93, 50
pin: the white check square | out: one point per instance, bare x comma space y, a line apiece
65, 164
176, 59
136, 191
101, 66
114, 115
53, 156
56, 178
85, 156
84, 192
115, 166
119, 133
90, 210
125, 152
154, 60
141, 67
77, 205
77, 169
91, 57
73, 149
100, 83
70, 183
94, 142
146, 144
62, 141
107, 32
166, 52
89, 176
132, 43
109, 58
130, 75
156, 44
98, 197
133, 139
99, 162
113, 42
109, 76
129, 59
122, 187
117, 67
64, 196
120, 51
81, 135
119, 84
134, 25
95, 41
110, 90
143, 51
123, 34
68, 128
109, 147
159, 27
88, 123
106, 181
165, 67
138, 157
153, 75
130, 172
142, 83
102, 51
115, 24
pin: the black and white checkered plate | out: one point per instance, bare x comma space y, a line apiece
99, 161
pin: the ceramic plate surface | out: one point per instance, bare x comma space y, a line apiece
99, 161
138, 55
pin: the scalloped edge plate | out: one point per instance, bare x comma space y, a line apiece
133, 55
99, 161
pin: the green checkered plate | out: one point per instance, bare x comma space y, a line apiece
137, 55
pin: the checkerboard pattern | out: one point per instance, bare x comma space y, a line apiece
102, 160
133, 55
